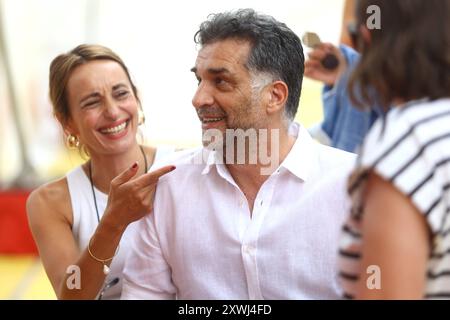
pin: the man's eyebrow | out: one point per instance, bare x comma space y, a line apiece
218, 70
212, 70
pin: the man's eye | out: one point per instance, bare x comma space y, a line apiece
219, 81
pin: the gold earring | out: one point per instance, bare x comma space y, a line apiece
141, 117
72, 141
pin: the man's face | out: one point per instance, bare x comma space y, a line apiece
224, 98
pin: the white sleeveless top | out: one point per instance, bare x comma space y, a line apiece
85, 220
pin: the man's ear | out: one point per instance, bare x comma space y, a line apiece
277, 95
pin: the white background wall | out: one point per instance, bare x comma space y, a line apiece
155, 39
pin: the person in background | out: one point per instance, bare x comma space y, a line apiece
348, 20
396, 241
82, 222
344, 125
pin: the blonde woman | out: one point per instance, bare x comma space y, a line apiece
82, 222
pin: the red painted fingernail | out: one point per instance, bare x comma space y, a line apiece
134, 165
172, 168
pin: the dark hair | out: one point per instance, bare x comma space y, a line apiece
62, 67
275, 49
409, 57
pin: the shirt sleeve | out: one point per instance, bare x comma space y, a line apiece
147, 275
407, 155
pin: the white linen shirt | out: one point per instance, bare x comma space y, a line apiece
201, 242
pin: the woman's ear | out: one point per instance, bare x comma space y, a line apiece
67, 125
277, 94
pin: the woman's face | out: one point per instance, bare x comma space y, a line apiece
103, 108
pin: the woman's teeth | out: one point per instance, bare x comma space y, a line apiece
115, 129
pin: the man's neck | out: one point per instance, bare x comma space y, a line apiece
251, 176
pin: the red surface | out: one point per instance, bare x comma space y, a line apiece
15, 235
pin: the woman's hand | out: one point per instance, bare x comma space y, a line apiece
130, 199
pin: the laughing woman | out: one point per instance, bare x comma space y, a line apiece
82, 222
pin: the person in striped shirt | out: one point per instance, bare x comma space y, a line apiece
396, 242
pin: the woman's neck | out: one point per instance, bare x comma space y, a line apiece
106, 167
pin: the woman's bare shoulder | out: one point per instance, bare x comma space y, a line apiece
51, 200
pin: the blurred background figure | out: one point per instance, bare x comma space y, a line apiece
396, 242
344, 126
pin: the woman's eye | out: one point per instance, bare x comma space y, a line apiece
122, 94
90, 103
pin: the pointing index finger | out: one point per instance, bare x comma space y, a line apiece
153, 176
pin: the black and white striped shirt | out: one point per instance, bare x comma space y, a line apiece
411, 149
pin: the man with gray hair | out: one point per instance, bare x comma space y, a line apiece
256, 219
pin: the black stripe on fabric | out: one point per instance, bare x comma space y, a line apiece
445, 233
407, 133
444, 189
440, 255
348, 276
355, 185
444, 273
431, 175
347, 229
433, 205
351, 255
418, 154
436, 202
438, 295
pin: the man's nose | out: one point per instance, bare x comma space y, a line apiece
203, 96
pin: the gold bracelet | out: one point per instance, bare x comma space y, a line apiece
106, 269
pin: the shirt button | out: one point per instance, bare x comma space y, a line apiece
248, 249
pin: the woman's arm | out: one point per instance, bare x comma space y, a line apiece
47, 208
47, 215
395, 239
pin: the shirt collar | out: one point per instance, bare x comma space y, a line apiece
301, 158
299, 161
